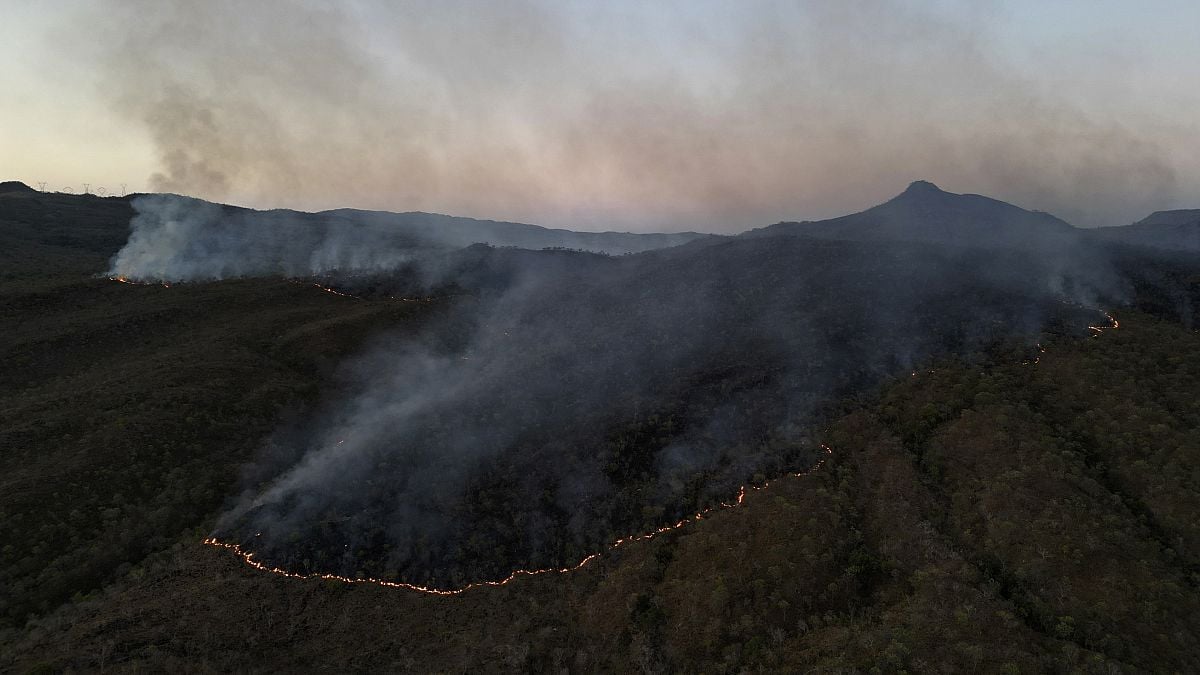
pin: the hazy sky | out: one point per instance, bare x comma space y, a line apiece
609, 115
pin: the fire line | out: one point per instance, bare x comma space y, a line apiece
249, 559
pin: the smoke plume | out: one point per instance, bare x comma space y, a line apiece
577, 398
174, 238
707, 116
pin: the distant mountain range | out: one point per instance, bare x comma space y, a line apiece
922, 213
926, 213
458, 232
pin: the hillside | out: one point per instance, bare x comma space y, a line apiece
125, 410
1172, 230
1006, 518
986, 505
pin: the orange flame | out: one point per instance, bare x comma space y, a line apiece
127, 280
248, 557
1113, 324
334, 291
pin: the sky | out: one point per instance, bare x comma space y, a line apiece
701, 115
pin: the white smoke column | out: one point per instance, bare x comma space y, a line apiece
175, 238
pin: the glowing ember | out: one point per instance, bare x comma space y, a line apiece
1112, 324
1037, 359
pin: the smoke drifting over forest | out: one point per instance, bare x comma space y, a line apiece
704, 116
565, 398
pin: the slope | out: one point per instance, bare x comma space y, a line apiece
1005, 500
999, 519
125, 410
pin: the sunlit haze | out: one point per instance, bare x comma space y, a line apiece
712, 116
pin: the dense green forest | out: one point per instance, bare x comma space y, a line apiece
1000, 509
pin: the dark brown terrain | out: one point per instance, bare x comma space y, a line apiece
1007, 511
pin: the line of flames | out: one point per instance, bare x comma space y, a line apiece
164, 284
1112, 320
248, 557
395, 298
127, 280
335, 292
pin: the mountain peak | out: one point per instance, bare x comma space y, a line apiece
925, 212
922, 187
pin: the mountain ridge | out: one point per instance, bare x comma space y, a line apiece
1176, 229
924, 212
457, 230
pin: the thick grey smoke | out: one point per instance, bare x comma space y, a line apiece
580, 397
550, 399
709, 116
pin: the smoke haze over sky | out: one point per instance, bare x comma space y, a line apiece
699, 115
